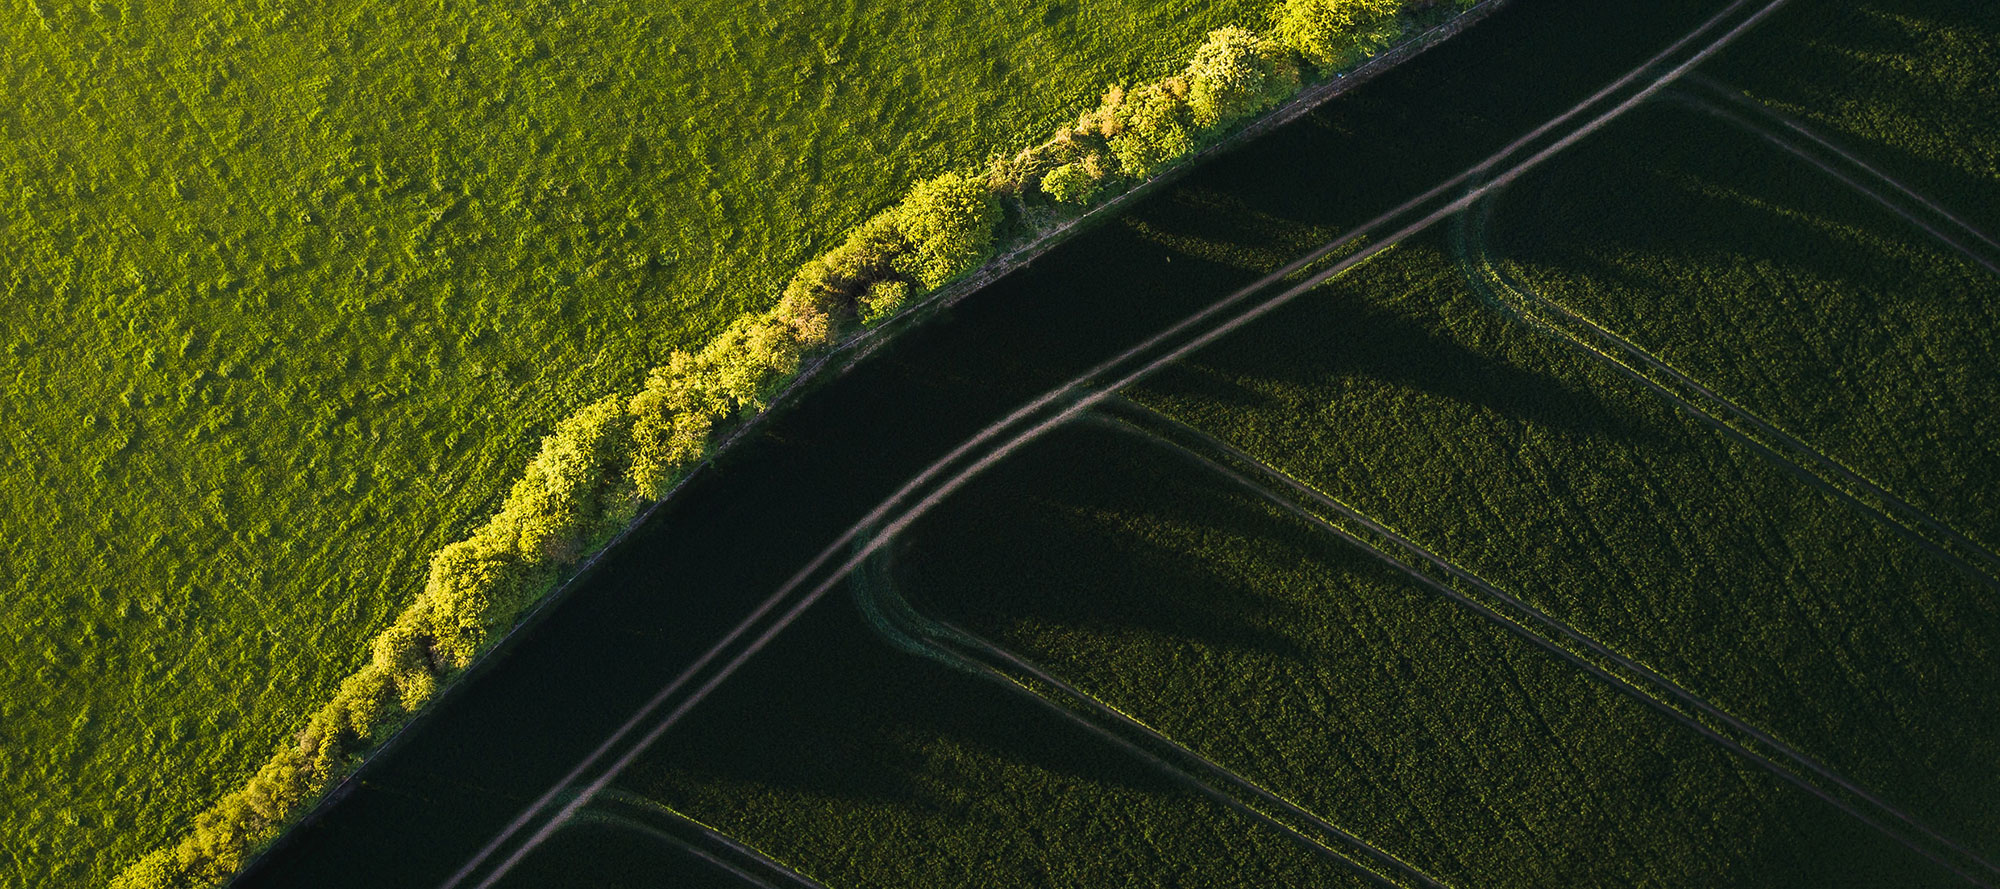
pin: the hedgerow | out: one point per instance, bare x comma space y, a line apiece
600, 466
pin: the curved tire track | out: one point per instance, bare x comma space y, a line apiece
903, 625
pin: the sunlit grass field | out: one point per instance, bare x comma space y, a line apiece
293, 288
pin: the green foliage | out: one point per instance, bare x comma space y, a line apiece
883, 299
1070, 184
949, 222
1237, 73
1334, 34
1149, 127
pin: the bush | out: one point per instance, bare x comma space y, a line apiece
825, 291
671, 421
1151, 126
1070, 184
883, 299
1333, 34
949, 222
1237, 73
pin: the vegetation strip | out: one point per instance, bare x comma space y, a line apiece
600, 469
1817, 468
1084, 398
1647, 686
892, 614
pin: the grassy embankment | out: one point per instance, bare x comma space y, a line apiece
860, 765
607, 459
1312, 667
1778, 286
294, 288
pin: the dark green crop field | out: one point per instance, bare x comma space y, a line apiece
292, 289
859, 765
1313, 667
1764, 275
1400, 392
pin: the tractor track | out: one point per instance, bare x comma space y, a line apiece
900, 623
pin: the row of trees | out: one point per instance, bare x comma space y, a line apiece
602, 464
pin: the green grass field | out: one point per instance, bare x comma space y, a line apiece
1310, 666
860, 765
294, 287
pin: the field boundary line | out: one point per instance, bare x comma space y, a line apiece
1080, 394
903, 625
1848, 484
1699, 720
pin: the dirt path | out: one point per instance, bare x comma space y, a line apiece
637, 813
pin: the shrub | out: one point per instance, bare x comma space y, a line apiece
883, 299
467, 580
752, 355
824, 292
1237, 73
1070, 184
1333, 34
949, 221
671, 420
1153, 126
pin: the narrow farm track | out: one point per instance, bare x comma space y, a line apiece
1409, 557
900, 623
1790, 452
661, 822
996, 441
1829, 157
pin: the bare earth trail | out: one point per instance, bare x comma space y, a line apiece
1797, 456
1552, 634
891, 614
993, 444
